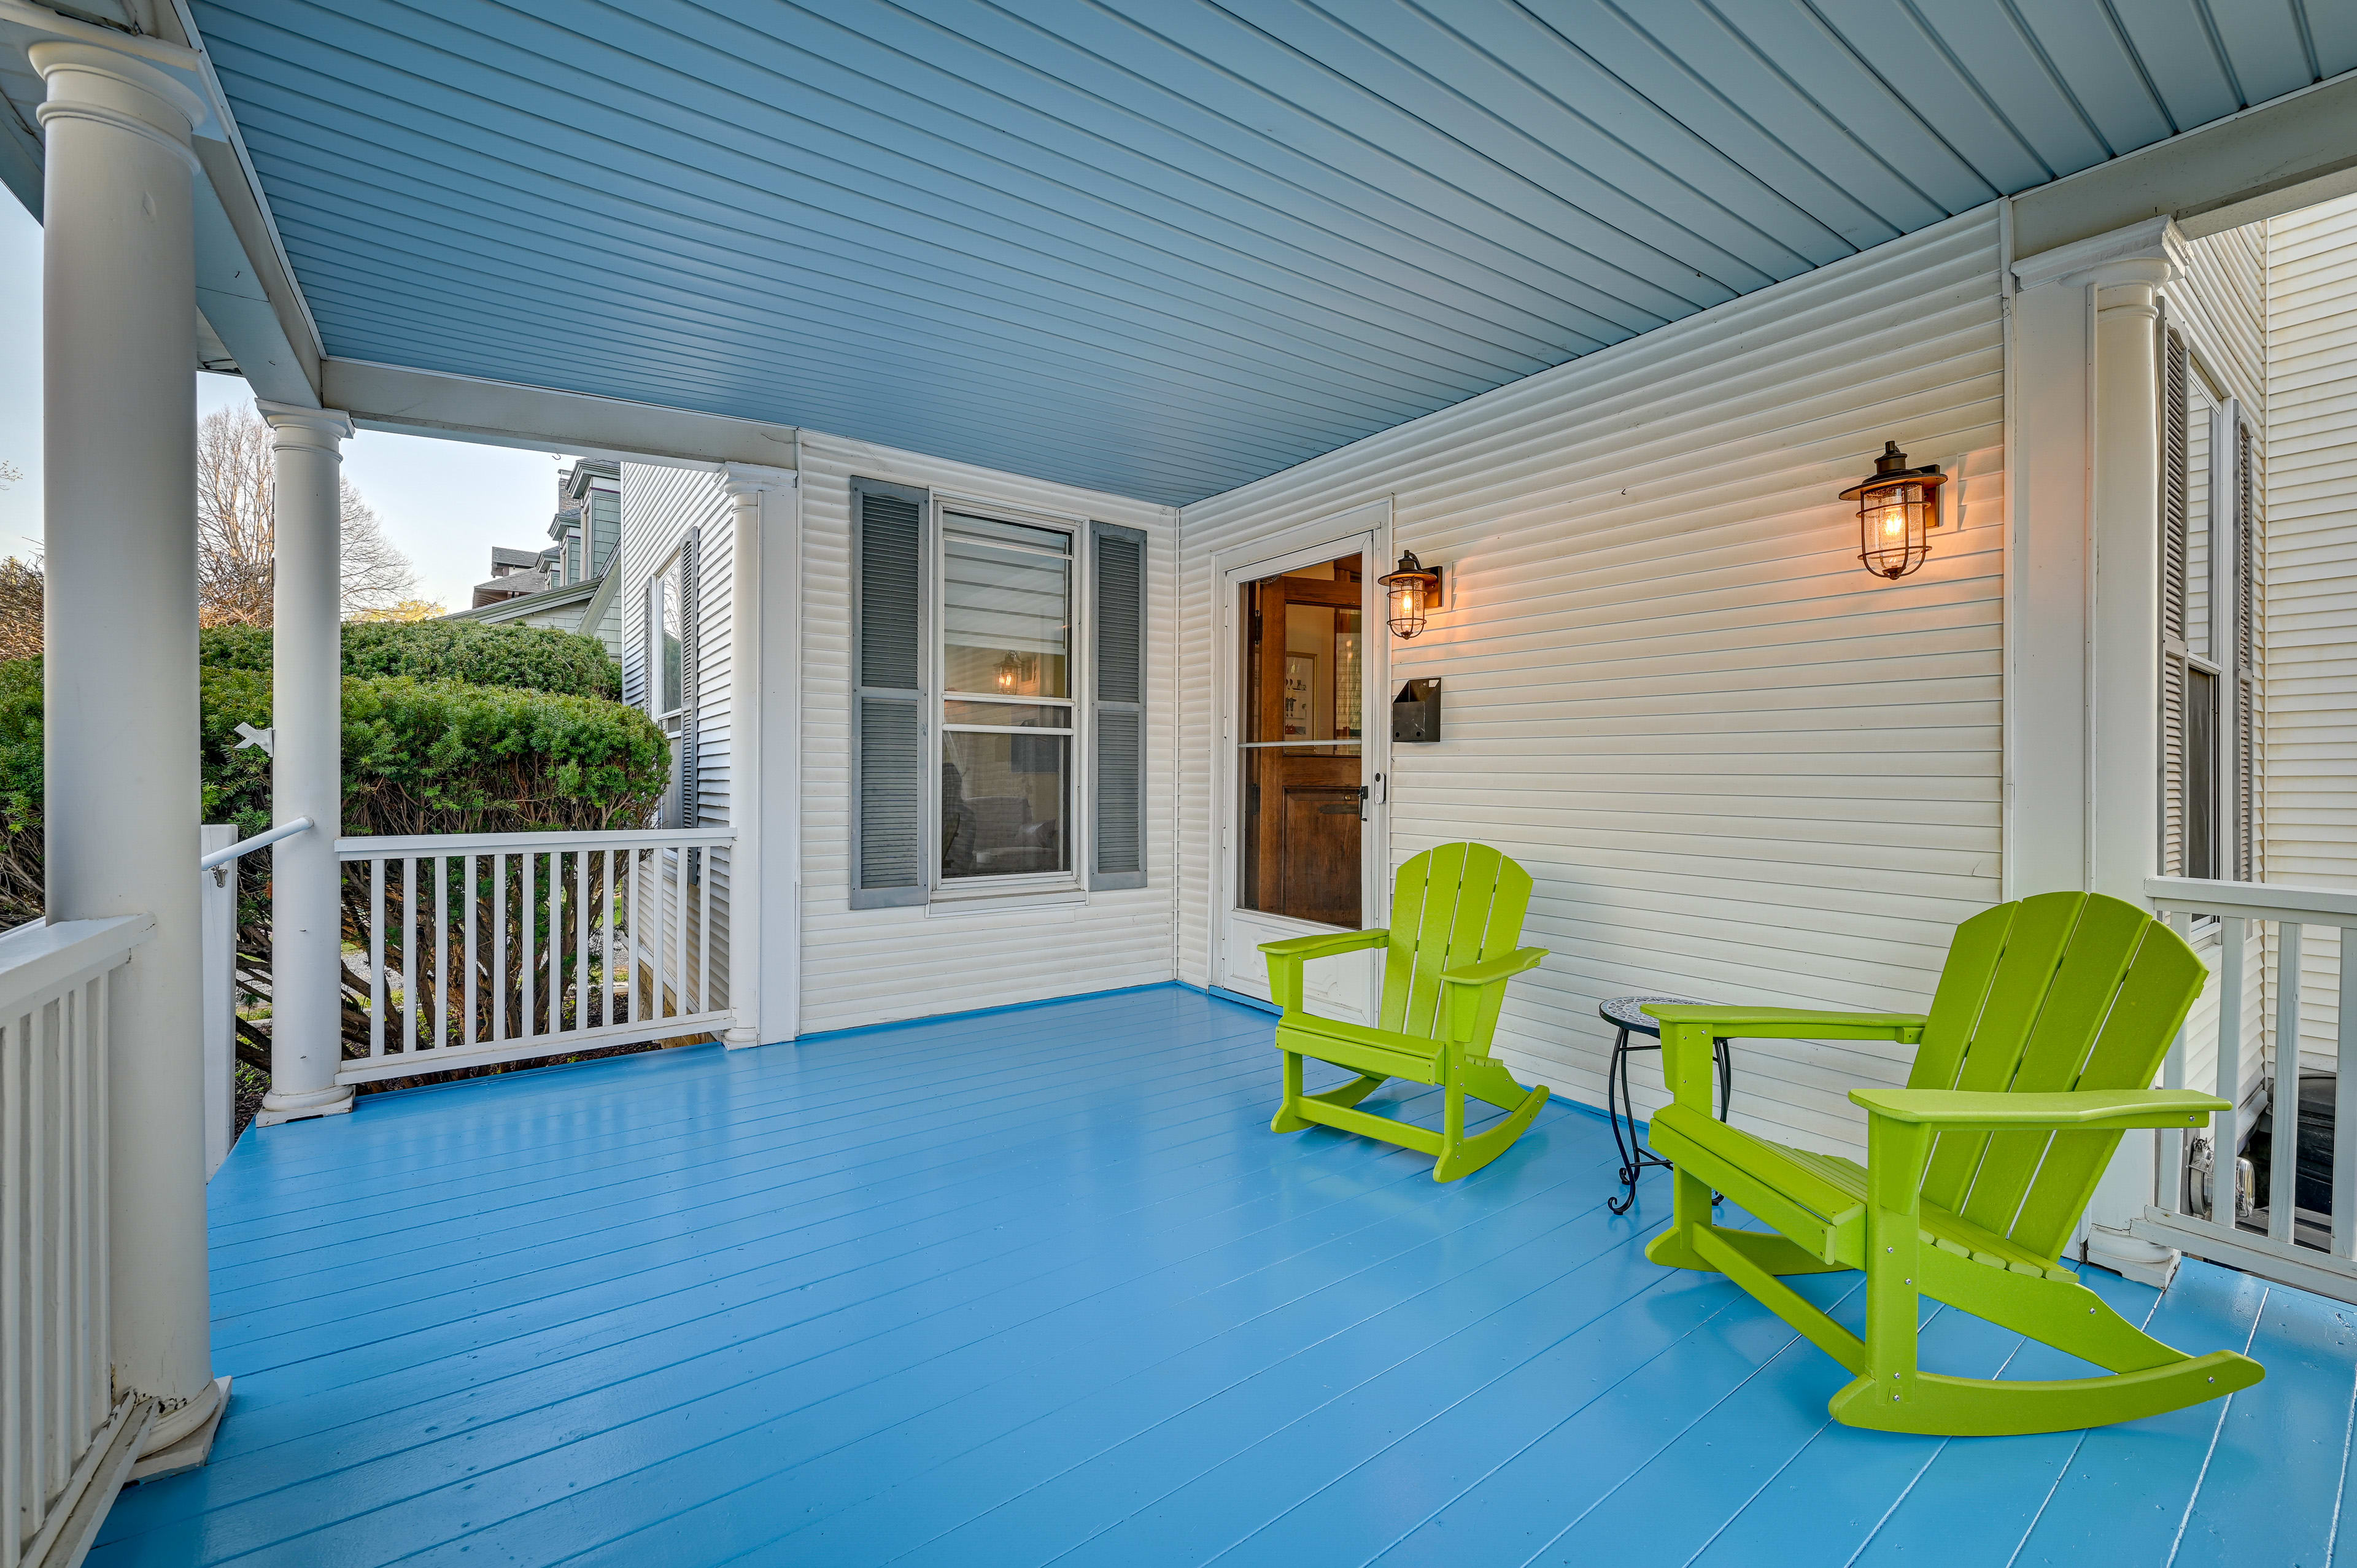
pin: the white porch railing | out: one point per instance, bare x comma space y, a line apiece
2289, 1248
504, 947
66, 1441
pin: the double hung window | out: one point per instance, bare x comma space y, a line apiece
998, 700
2209, 597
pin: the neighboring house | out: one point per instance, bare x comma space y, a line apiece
550, 587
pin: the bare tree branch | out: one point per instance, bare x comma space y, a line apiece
236, 521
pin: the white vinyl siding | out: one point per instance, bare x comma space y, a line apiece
1739, 767
2309, 786
659, 506
871, 966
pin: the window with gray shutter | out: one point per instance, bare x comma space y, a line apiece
888, 648
2179, 811
1117, 558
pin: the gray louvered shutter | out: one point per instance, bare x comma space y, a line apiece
887, 760
691, 649
1118, 712
2176, 372
2244, 671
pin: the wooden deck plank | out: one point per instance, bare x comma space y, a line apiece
1040, 1284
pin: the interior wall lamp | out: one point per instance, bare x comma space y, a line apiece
1414, 592
1897, 507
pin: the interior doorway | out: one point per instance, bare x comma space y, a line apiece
1303, 795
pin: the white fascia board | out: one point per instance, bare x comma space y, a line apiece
244, 291
505, 413
2274, 157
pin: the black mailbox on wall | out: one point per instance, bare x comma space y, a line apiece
1416, 712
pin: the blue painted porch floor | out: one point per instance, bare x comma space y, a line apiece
1040, 1286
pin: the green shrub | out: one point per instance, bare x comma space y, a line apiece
536, 659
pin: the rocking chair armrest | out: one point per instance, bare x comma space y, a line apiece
1286, 958
2088, 1109
1792, 1023
1491, 971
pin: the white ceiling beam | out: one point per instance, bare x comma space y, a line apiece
503, 414
2289, 153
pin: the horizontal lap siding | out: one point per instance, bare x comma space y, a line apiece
660, 504
2310, 781
1737, 766
869, 966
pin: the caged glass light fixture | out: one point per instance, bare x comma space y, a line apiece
1414, 592
1897, 507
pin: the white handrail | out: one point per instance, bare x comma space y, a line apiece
243, 847
2252, 901
378, 848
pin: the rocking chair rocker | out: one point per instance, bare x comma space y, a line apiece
2051, 1019
1456, 913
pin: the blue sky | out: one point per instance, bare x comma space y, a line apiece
444, 503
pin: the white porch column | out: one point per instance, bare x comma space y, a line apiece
306, 764
120, 680
764, 716
2083, 690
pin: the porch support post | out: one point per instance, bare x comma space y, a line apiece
763, 628
120, 676
2085, 685
307, 764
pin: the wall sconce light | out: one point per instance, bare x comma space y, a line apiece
1014, 671
1414, 591
1897, 507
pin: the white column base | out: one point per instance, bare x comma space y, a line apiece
334, 1100
737, 1038
2132, 1257
174, 1444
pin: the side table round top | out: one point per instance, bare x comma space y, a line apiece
1621, 1013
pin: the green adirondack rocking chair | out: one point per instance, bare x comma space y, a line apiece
2049, 1021
1457, 914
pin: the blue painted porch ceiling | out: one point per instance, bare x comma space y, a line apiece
1156, 247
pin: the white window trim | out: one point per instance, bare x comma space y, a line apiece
1025, 888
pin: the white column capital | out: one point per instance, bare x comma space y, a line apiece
89, 81
2145, 254
295, 426
752, 478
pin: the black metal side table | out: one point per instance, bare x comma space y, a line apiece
1622, 1013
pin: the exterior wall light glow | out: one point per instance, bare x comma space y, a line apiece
1897, 507
1414, 592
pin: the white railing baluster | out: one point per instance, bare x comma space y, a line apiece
2283, 1158
2170, 1176
704, 931
610, 910
409, 955
474, 906
556, 941
376, 958
57, 1396
499, 948
2225, 1128
581, 986
635, 946
659, 895
441, 952
528, 930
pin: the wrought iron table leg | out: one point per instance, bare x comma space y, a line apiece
1616, 1088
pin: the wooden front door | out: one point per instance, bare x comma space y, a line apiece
1301, 797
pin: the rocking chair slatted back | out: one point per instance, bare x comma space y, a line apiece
2057, 992
1452, 906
